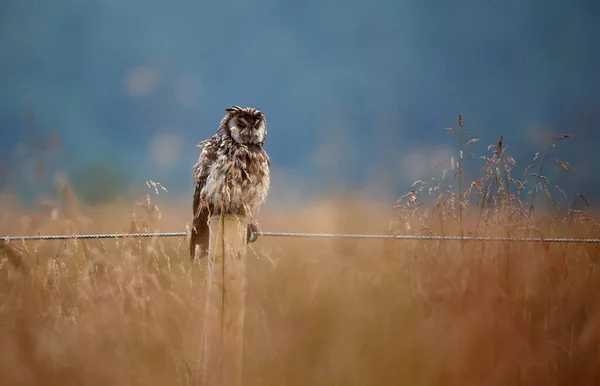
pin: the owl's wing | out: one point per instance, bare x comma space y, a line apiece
266, 156
200, 231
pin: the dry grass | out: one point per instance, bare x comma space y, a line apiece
320, 312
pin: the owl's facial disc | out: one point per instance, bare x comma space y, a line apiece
260, 131
248, 130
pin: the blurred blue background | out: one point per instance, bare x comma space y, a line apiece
355, 92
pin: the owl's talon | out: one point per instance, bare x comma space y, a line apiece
252, 236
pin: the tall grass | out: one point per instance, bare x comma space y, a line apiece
319, 311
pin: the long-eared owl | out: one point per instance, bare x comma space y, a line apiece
232, 174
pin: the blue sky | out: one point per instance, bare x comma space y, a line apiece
353, 90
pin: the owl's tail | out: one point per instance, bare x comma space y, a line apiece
200, 235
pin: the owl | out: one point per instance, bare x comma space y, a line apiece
232, 174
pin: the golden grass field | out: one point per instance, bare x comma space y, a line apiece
319, 311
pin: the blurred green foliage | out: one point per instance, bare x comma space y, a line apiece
99, 183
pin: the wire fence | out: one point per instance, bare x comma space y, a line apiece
255, 235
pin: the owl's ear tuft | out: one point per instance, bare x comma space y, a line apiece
232, 109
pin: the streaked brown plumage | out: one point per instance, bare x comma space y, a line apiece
232, 173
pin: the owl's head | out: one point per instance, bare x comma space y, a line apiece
246, 125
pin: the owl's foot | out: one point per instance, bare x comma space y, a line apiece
199, 253
251, 234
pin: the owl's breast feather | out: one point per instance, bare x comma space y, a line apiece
239, 176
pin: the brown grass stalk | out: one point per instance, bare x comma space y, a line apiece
319, 311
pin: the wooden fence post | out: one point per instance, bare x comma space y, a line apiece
223, 337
